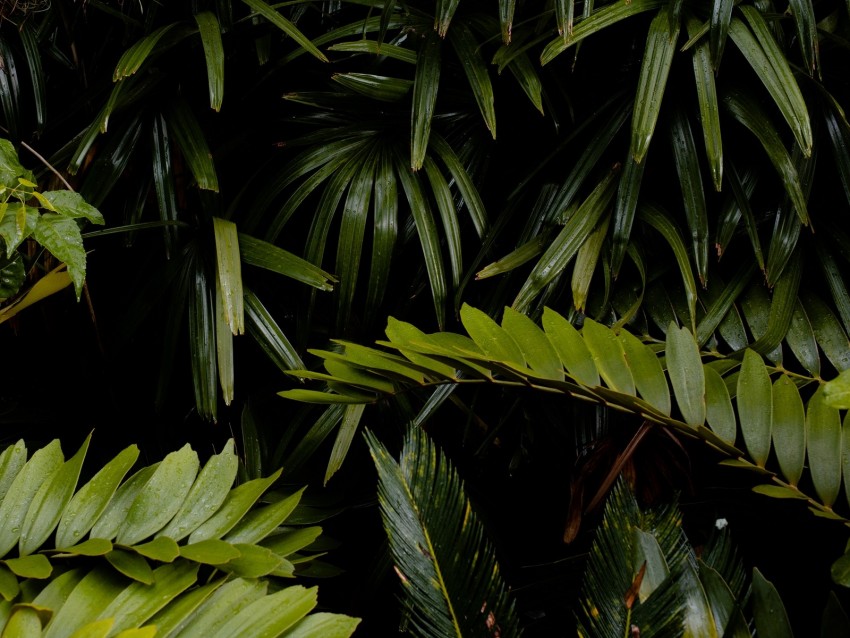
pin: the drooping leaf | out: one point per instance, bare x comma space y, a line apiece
210, 32
425, 88
61, 236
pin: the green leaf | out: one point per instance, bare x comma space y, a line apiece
608, 356
836, 393
221, 605
193, 143
162, 549
768, 610
17, 223
9, 585
37, 471
586, 261
202, 321
208, 492
61, 236
429, 520
161, 497
238, 501
801, 339
468, 50
132, 565
23, 623
134, 57
210, 552
262, 326
71, 204
495, 342
446, 207
789, 428
749, 114
827, 330
537, 350
269, 616
224, 346
12, 460
660, 46
323, 625
50, 501
270, 14
10, 166
571, 348
345, 434
35, 566
91, 547
425, 86
255, 562
85, 602
755, 406
823, 447
378, 48
210, 32
687, 376
377, 87
647, 372
118, 507
463, 181
261, 522
229, 273
718, 406
12, 275
292, 539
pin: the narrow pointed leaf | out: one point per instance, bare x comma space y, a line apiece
625, 206
134, 57
193, 143
12, 460
323, 625
463, 181
210, 32
223, 347
257, 252
229, 273
425, 87
270, 14
828, 331
202, 341
769, 613
660, 47
468, 50
585, 266
115, 513
342, 443
801, 339
269, 616
262, 326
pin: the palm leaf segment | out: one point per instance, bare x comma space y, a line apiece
738, 405
451, 580
170, 551
643, 577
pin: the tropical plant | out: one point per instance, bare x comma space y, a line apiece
173, 550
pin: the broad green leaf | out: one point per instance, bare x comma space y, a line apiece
237, 503
17, 223
12, 275
133, 566
571, 348
71, 204
206, 495
269, 616
138, 602
657, 58
537, 350
769, 613
647, 372
270, 14
828, 331
210, 552
229, 273
162, 549
228, 600
648, 552
840, 570
687, 375
38, 470
425, 86
724, 607
801, 339
90, 547
834, 620
35, 566
756, 305
181, 611
50, 501
719, 414
148, 631
56, 591
23, 623
260, 522
823, 447
782, 306
61, 236
255, 562
400, 333
836, 393
161, 497
495, 342
608, 356
326, 398
292, 540
116, 510
96, 629
12, 460
85, 602
9, 585
323, 625
10, 166
755, 406
134, 57
789, 428
779, 491
210, 32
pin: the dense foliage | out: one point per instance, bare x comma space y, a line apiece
663, 186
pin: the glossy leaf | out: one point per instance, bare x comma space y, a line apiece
823, 447
61, 236
425, 88
718, 406
647, 372
270, 14
609, 356
789, 429
706, 57
537, 350
571, 348
769, 613
755, 406
192, 142
468, 50
686, 374
210, 32
344, 437
135, 56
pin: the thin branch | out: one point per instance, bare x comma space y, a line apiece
48, 165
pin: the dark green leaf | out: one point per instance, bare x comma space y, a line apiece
210, 33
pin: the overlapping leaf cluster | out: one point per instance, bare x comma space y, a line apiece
173, 550
750, 411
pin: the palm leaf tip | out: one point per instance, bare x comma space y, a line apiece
432, 532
